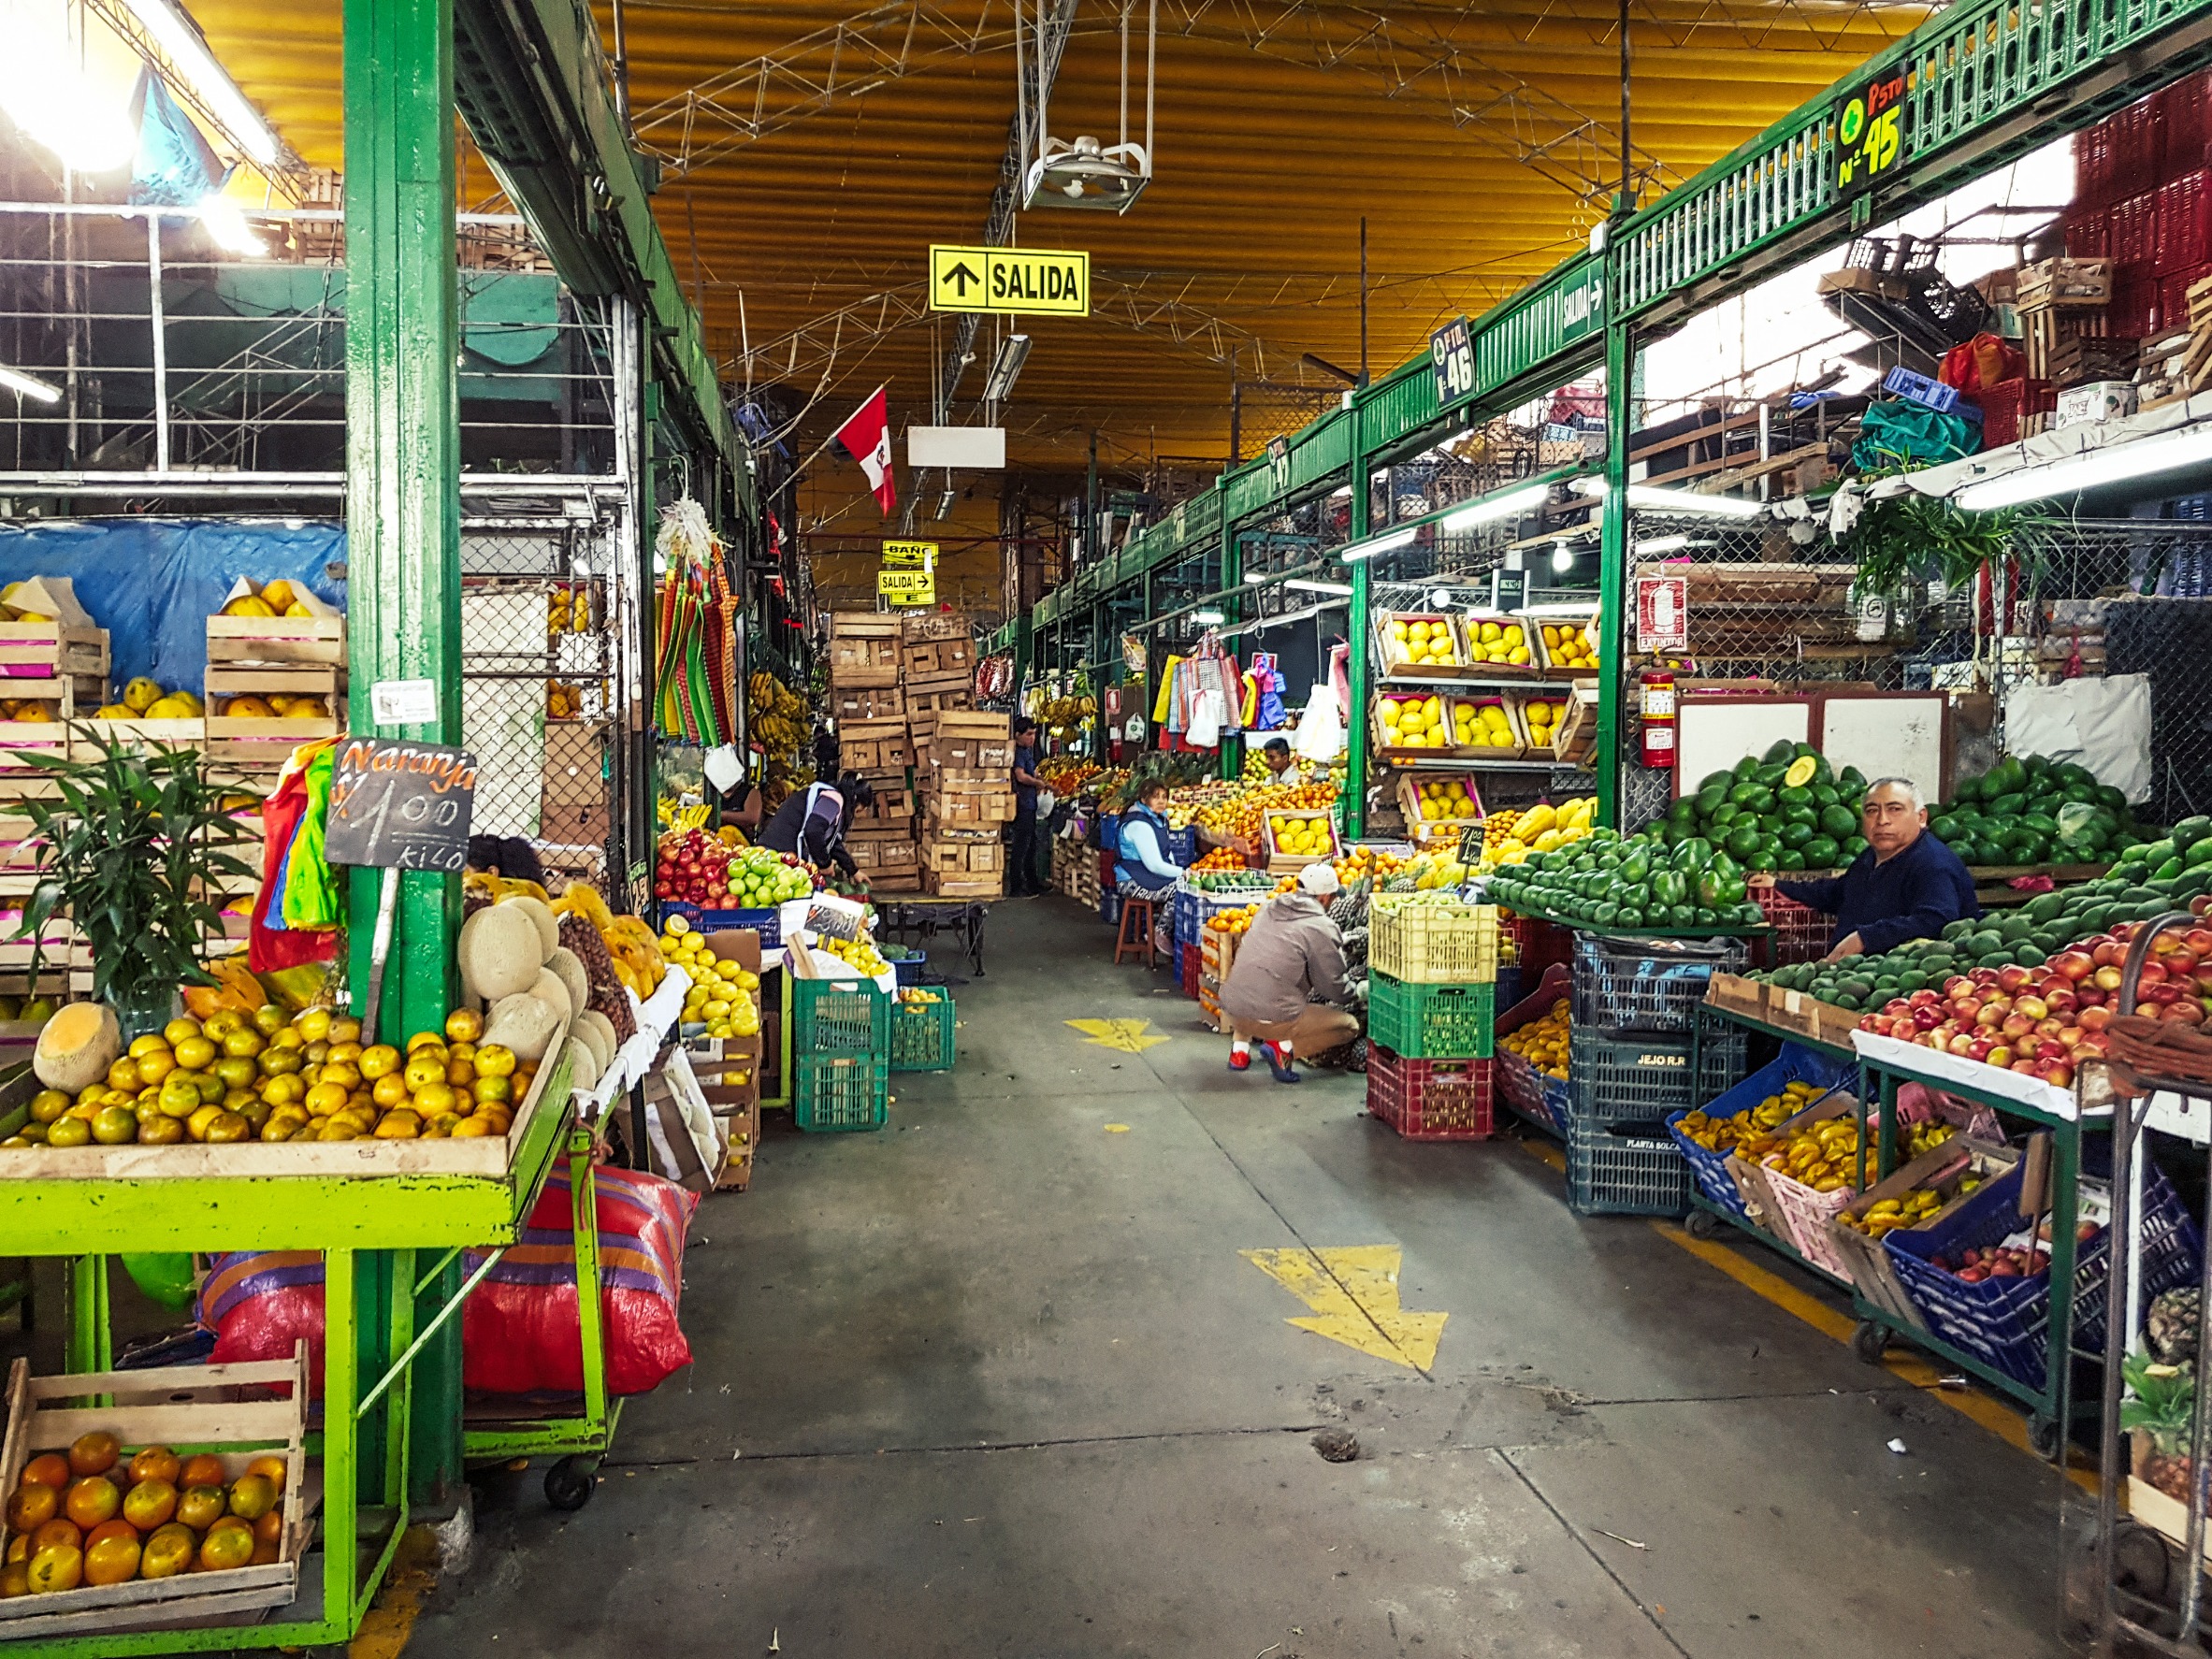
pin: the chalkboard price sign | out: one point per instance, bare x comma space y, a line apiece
400, 806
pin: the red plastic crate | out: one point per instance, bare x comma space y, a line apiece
2093, 181
2135, 301
1800, 932
2088, 234
2004, 404
2184, 227
2138, 142
1190, 969
1536, 944
2183, 108
2135, 229
1430, 1100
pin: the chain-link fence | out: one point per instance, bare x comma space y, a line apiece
538, 690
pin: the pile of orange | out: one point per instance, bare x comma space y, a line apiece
1236, 921
84, 1518
1220, 857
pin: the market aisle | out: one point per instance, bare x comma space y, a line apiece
998, 1381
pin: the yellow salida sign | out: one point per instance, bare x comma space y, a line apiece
1027, 282
907, 587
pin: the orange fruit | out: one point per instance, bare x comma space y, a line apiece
251, 1497
32, 1506
92, 1500
424, 1040
58, 1567
389, 1090
116, 1528
195, 1054
229, 1543
266, 1551
493, 1090
56, 1533
15, 1580
168, 1552
201, 1506
270, 1466
494, 1060
269, 1529
344, 1029
464, 1025
151, 1503
433, 1098
379, 1061
325, 1099
124, 1074
155, 1065
313, 1025
95, 1453
423, 1070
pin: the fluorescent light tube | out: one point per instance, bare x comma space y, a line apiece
1375, 544
1510, 505
189, 56
1305, 584
1663, 544
2112, 463
1261, 578
16, 380
1205, 618
1652, 499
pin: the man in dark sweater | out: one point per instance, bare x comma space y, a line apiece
1907, 885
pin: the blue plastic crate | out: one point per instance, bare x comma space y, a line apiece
1710, 1170
2005, 1322
1182, 845
767, 923
1624, 1172
1647, 984
1919, 389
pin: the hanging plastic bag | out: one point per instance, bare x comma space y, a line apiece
1321, 729
1207, 713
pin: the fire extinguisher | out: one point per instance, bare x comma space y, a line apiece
1658, 721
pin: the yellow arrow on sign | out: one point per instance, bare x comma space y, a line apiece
1354, 1293
1130, 1036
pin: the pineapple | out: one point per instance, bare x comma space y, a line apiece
2170, 1328
2158, 1409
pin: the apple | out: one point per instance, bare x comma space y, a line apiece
1895, 1006
1966, 1008
2185, 1013
1960, 1043
2166, 945
2057, 1073
2107, 978
2073, 964
2091, 1042
2025, 1067
2091, 997
2125, 932
2070, 1038
2164, 994
1924, 999
2035, 1007
2151, 974
2018, 1024
2095, 1018
2054, 983
2064, 1001
2000, 1056
2201, 904
2011, 979
1992, 1017
1980, 1048
1926, 1017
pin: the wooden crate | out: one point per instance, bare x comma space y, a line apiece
967, 808
874, 746
946, 702
166, 734
22, 744
51, 651
933, 658
955, 740
224, 1408
938, 686
964, 887
864, 650
867, 702
892, 809
252, 751
871, 853
955, 853
276, 679
315, 642
918, 626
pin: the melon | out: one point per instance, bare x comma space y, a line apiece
565, 966
583, 1066
143, 694
547, 987
540, 912
499, 952
580, 1033
522, 1023
77, 1047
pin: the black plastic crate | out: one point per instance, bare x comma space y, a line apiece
1630, 1078
1647, 984
1624, 1172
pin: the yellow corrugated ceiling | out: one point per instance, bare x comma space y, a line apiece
835, 140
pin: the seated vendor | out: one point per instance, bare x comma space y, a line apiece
1907, 885
1288, 974
1142, 869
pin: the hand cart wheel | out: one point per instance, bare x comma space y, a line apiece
2045, 1436
1869, 1341
1702, 1224
570, 1483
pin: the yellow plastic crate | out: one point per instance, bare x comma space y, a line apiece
1429, 943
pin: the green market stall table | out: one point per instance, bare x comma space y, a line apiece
387, 1217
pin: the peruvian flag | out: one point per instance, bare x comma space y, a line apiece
867, 436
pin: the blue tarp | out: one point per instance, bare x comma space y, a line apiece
153, 583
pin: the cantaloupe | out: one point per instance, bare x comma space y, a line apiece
563, 964
548, 990
499, 952
77, 1047
522, 1023
542, 914
583, 1066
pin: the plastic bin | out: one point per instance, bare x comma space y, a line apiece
1430, 1100
1433, 945
833, 1093
832, 1016
1431, 1021
1647, 984
767, 923
921, 1035
1710, 1170
2005, 1322
1624, 1172
1639, 1079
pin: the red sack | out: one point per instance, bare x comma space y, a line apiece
1986, 360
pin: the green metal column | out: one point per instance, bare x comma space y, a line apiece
1355, 678
1619, 348
1233, 611
403, 463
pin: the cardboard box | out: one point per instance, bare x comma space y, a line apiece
574, 826
2095, 403
1942, 1169
867, 702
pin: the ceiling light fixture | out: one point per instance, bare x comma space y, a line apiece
226, 225
1205, 618
2093, 470
26, 385
1562, 558
189, 57
1106, 178
1650, 498
1510, 505
1375, 544
1305, 585
1006, 368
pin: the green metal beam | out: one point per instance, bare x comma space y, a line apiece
403, 516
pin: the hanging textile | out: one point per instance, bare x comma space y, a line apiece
271, 942
684, 699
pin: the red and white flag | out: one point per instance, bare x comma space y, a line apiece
867, 436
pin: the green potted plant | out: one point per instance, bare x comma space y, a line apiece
130, 851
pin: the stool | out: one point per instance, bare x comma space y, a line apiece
1137, 911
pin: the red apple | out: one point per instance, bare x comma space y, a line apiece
2053, 984
2017, 1025
1992, 1017
2091, 1042
1959, 1044
2074, 964
2166, 945
2057, 1073
2095, 1018
2000, 1056
2025, 1067
2107, 953
2011, 979
2107, 978
2049, 1027
1924, 999
2126, 932
2070, 1038
2164, 994
2185, 1013
2035, 1007
1980, 1048
2151, 974
1895, 1006
1927, 1017
1966, 1008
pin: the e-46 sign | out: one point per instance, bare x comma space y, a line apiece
1452, 354
1870, 132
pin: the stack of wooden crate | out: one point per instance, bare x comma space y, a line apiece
881, 840
265, 656
938, 658
866, 700
963, 774
62, 667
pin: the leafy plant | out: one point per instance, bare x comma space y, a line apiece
1913, 537
130, 852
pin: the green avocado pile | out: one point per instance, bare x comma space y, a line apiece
1637, 884
1785, 810
2134, 890
2029, 810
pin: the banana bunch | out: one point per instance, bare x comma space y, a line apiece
581, 899
684, 817
568, 610
779, 722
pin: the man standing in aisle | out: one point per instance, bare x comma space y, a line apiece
1287, 968
1022, 854
1907, 885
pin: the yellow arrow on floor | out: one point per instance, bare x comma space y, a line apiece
1354, 1293
1129, 1037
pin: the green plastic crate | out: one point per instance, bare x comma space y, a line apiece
849, 1018
832, 1092
1431, 1021
921, 1035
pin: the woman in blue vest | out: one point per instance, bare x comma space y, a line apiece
1142, 869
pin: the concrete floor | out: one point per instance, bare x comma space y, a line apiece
997, 1381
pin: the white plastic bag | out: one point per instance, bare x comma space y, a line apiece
1320, 728
2100, 724
1208, 712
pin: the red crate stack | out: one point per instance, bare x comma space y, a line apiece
1536, 944
1801, 933
2184, 240
2088, 234
2004, 404
2134, 229
1190, 969
1430, 1100
2094, 179
2188, 123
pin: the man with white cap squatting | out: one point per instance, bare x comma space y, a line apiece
1288, 969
